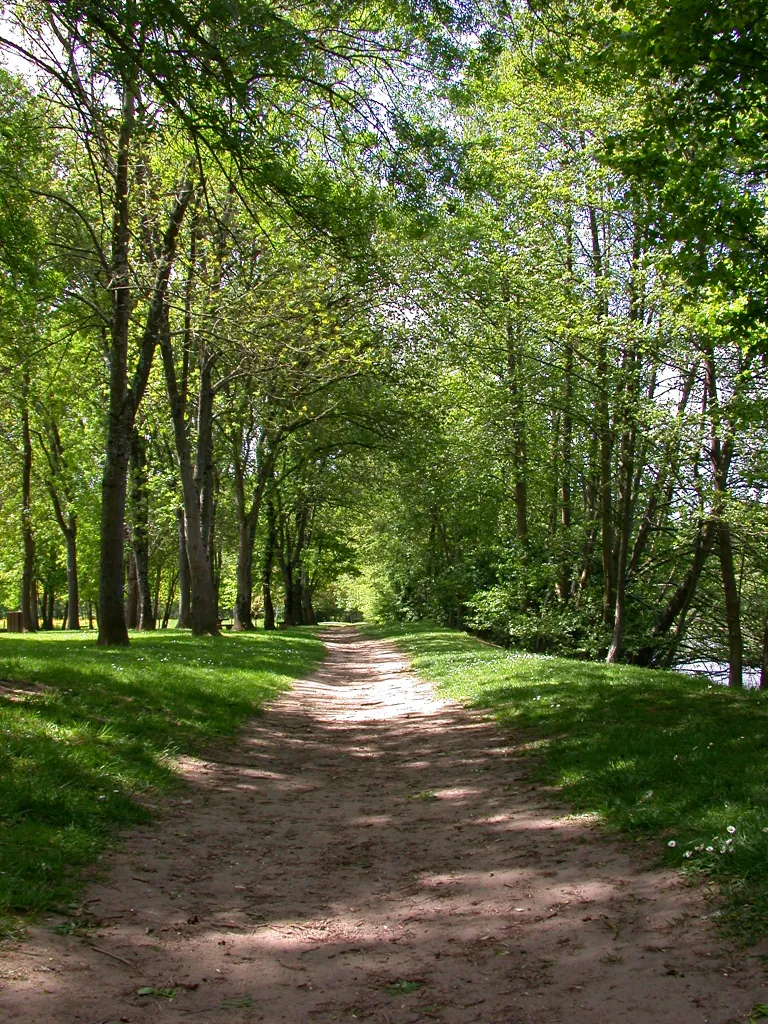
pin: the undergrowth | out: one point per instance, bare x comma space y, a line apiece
654, 754
84, 731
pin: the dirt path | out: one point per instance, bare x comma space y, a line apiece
370, 853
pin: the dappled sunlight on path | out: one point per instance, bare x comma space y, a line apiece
368, 852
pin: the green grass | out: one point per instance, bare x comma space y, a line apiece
103, 729
654, 754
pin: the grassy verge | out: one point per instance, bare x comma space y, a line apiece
83, 731
652, 753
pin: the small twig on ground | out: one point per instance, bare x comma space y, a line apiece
291, 967
106, 952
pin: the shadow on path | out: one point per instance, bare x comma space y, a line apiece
368, 852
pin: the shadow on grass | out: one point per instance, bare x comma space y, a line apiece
653, 753
84, 729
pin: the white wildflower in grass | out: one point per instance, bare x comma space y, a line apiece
731, 829
688, 853
723, 849
672, 843
710, 849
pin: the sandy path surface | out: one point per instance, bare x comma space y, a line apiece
368, 852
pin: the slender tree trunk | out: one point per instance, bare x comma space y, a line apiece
603, 427
28, 610
73, 592
140, 505
65, 615
519, 442
627, 469
248, 519
203, 613
169, 601
68, 528
184, 620
289, 611
662, 489
298, 605
132, 594
565, 583
591, 525
156, 596
625, 527
266, 572
732, 607
242, 616
677, 606
307, 611
204, 475
721, 453
242, 612
764, 660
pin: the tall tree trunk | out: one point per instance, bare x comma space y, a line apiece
603, 426
169, 601
124, 402
721, 453
203, 613
519, 443
307, 611
628, 470
28, 609
248, 519
243, 619
266, 571
68, 527
156, 596
131, 594
298, 605
140, 505
565, 583
246, 533
732, 607
764, 659
625, 528
73, 592
289, 610
112, 627
184, 620
591, 524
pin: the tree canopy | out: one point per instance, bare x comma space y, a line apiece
418, 310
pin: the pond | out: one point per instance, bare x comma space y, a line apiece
717, 672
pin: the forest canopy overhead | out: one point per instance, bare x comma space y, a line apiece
418, 310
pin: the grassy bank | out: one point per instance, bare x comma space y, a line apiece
652, 753
84, 731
